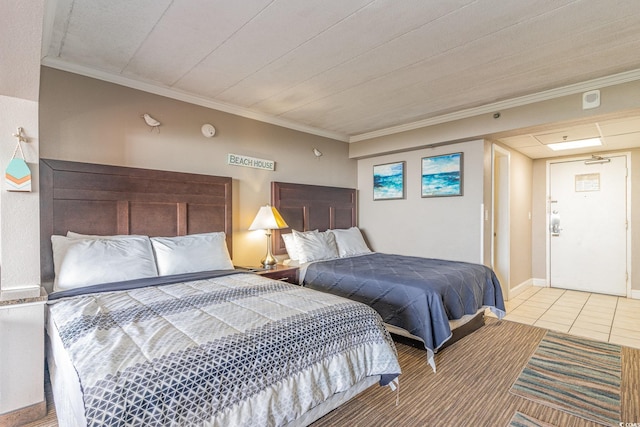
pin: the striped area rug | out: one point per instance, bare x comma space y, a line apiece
523, 420
575, 375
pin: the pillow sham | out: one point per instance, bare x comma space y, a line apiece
350, 242
315, 246
82, 262
75, 235
191, 253
290, 246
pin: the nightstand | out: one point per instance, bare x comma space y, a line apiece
279, 272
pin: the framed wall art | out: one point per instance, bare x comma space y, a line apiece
388, 181
442, 175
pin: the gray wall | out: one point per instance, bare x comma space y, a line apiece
450, 227
88, 120
438, 227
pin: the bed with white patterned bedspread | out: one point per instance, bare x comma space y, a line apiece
237, 349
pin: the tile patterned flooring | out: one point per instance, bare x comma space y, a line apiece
600, 317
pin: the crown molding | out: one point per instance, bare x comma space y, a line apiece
573, 89
155, 88
179, 95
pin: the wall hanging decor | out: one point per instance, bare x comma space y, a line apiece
250, 162
388, 181
18, 175
208, 130
151, 122
442, 175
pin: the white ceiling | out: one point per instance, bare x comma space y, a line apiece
349, 68
615, 134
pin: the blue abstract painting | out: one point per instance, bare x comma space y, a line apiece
388, 181
442, 175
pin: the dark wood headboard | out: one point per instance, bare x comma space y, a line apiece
107, 200
309, 207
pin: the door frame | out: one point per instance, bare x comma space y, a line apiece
504, 201
627, 156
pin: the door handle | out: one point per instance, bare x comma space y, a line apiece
554, 223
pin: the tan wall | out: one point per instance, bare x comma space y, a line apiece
488, 202
635, 219
439, 227
539, 243
520, 209
88, 120
539, 220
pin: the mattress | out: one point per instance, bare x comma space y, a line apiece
297, 383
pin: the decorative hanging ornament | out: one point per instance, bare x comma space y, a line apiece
18, 174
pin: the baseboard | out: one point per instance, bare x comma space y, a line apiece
24, 415
635, 293
540, 282
514, 292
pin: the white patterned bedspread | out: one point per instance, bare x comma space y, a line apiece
232, 350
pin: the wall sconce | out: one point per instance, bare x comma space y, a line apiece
267, 219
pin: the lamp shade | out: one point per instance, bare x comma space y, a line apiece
268, 218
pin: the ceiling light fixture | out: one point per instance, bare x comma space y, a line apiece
580, 143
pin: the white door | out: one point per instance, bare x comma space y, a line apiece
588, 225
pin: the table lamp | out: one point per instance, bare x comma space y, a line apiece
267, 219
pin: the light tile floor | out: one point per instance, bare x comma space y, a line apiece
600, 317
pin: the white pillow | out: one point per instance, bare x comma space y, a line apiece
290, 245
84, 262
74, 235
191, 253
315, 246
350, 242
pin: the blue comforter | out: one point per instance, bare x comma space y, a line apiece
419, 295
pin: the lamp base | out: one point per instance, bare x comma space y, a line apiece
268, 263
269, 260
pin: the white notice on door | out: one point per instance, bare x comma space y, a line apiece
588, 182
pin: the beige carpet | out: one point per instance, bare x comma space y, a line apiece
471, 386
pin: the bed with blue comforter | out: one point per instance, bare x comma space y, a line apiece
419, 295
221, 349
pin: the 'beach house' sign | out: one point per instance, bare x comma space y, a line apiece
250, 162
